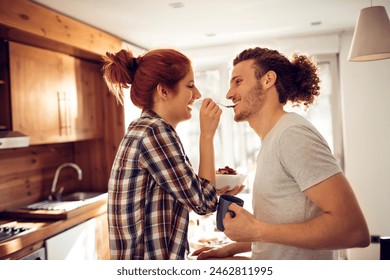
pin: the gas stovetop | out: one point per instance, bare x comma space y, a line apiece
7, 232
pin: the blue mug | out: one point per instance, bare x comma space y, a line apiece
223, 207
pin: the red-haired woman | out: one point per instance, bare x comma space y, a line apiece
153, 186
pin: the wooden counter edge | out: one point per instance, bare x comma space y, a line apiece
43, 229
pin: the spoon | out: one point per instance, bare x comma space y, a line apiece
226, 106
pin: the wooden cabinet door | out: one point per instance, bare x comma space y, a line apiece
35, 76
51, 98
102, 238
89, 86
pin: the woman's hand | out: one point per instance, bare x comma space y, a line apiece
208, 252
236, 190
227, 251
210, 114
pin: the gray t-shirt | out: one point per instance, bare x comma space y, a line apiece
293, 157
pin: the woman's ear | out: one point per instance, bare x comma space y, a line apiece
162, 92
269, 79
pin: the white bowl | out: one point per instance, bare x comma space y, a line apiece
223, 180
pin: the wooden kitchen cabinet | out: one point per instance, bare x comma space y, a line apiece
85, 241
53, 95
102, 238
76, 238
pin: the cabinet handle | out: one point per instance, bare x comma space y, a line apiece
64, 113
68, 114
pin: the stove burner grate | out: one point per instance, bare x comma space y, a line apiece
8, 232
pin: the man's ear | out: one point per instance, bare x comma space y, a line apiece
162, 91
269, 79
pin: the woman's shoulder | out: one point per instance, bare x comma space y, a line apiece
149, 124
147, 121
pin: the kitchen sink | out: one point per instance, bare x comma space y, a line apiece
69, 201
83, 196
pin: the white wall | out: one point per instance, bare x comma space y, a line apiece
365, 89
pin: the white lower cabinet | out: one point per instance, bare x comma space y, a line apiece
76, 243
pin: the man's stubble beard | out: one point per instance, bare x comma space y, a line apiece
254, 101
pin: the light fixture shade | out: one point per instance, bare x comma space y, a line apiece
371, 39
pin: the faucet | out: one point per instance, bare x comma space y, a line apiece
57, 195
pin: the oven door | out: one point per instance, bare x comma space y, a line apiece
39, 254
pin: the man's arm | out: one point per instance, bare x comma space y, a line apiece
341, 225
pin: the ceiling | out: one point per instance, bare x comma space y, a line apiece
190, 24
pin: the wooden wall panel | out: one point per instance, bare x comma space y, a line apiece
26, 174
89, 156
114, 126
41, 21
98, 155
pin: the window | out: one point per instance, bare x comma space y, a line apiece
325, 113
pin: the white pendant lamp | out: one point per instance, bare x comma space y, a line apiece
371, 39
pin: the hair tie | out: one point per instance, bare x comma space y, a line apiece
135, 64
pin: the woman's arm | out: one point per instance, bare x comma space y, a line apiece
224, 252
162, 154
210, 115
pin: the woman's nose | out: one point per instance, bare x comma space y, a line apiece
197, 93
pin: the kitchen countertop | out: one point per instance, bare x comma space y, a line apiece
203, 233
243, 256
43, 229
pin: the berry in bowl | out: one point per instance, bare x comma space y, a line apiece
228, 177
